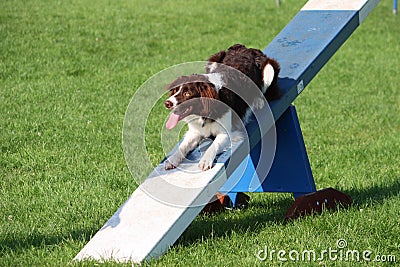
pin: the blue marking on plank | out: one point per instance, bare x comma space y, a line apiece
304, 46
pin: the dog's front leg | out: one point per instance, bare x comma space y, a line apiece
220, 143
189, 142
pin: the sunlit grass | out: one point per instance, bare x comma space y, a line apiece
68, 71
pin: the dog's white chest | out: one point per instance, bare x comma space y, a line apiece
207, 128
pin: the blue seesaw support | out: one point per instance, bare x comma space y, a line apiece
290, 170
165, 204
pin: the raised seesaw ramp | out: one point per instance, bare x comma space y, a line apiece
145, 227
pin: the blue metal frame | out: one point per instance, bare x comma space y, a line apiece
290, 170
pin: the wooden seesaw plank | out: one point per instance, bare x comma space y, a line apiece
144, 227
155, 215
310, 39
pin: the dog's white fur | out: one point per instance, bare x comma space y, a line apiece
198, 130
268, 76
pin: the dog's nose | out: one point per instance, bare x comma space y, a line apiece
169, 104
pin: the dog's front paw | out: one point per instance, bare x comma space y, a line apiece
168, 165
172, 162
206, 162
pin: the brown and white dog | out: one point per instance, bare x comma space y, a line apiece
209, 105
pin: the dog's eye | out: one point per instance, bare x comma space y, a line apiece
186, 93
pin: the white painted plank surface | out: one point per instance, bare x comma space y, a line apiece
155, 215
334, 4
364, 7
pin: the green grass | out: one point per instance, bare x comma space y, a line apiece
68, 70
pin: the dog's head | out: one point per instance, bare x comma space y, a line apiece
190, 95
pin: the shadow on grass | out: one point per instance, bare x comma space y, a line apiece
258, 215
376, 193
253, 219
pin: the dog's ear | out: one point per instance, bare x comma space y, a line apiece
208, 95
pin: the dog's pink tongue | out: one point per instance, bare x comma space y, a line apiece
172, 121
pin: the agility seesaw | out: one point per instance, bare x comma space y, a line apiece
145, 227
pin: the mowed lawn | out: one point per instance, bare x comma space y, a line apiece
68, 70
